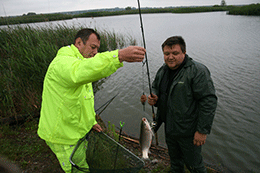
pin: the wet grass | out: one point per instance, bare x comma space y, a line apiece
21, 146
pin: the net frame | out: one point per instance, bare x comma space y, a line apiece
120, 159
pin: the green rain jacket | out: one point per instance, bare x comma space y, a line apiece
191, 102
67, 111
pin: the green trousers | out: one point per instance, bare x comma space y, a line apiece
63, 153
183, 151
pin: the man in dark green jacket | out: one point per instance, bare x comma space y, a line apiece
184, 95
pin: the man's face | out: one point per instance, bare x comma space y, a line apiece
90, 49
173, 56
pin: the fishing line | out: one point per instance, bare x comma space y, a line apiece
146, 60
147, 66
143, 88
106, 105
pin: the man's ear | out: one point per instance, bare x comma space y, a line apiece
78, 42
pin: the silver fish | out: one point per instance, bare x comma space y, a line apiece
146, 136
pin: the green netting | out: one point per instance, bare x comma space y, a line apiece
103, 154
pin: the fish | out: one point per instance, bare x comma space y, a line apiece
146, 136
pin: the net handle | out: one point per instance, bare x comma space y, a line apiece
76, 147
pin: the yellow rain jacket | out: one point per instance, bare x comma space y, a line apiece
67, 111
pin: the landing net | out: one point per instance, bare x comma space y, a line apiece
103, 155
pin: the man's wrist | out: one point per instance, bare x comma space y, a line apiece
120, 56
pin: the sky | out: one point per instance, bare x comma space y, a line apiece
20, 7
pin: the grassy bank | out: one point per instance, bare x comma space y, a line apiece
25, 55
21, 146
252, 9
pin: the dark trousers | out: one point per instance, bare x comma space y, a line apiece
183, 151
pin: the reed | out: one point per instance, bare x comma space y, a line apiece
26, 53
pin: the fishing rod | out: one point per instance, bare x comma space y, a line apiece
105, 104
147, 66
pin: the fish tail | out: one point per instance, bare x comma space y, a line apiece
145, 155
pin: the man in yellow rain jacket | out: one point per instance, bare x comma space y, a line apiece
67, 112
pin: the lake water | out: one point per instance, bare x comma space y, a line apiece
228, 45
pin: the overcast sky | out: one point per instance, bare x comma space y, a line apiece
20, 7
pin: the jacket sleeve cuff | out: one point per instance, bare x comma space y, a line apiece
115, 58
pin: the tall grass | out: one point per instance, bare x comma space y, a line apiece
25, 55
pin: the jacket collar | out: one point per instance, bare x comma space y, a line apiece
76, 52
71, 51
188, 61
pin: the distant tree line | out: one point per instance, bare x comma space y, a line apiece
30, 14
33, 18
253, 9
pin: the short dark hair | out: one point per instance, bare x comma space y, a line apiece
85, 33
173, 41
